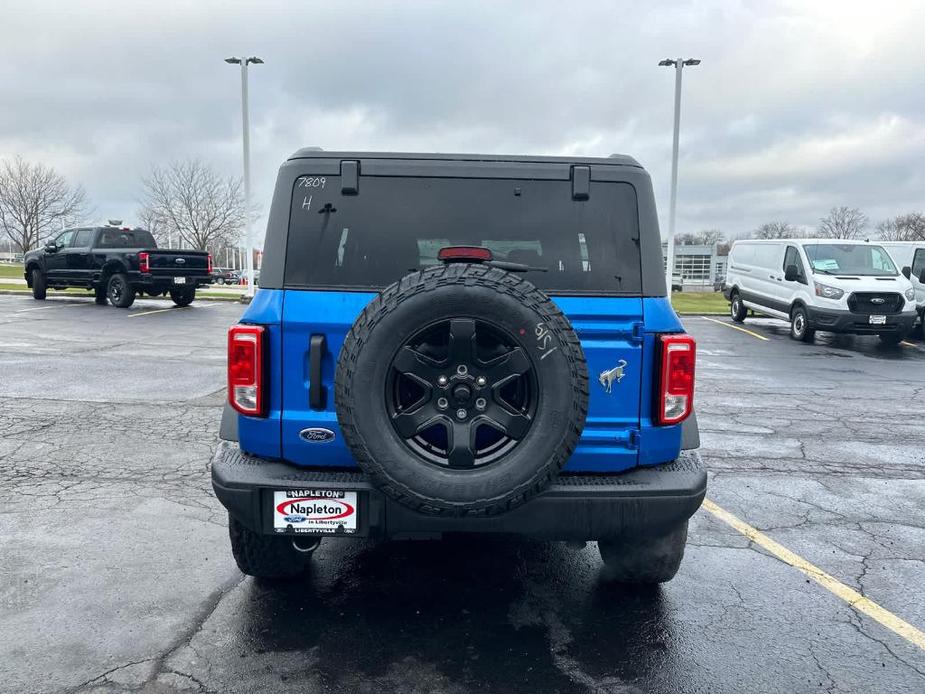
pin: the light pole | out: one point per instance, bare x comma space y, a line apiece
248, 244
678, 64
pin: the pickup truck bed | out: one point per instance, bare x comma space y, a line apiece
117, 264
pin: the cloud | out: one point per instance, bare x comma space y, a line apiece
797, 106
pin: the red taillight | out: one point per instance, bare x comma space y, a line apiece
245, 369
463, 253
210, 263
676, 383
144, 262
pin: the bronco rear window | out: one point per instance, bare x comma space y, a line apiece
398, 224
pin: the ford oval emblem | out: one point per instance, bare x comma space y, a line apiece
180, 261
316, 435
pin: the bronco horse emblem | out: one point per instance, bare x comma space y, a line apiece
608, 377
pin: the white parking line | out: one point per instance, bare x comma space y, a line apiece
61, 305
157, 310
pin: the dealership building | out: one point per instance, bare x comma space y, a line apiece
698, 267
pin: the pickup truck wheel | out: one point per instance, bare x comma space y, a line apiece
643, 559
265, 556
39, 286
737, 309
99, 294
183, 296
461, 390
121, 294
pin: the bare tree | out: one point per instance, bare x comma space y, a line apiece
905, 227
36, 200
775, 230
842, 223
149, 220
190, 200
710, 237
706, 237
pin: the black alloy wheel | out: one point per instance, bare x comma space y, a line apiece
462, 393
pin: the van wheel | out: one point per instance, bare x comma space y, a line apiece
919, 330
799, 326
39, 288
643, 559
892, 338
266, 556
121, 294
737, 309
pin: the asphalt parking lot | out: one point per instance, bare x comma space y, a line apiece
116, 573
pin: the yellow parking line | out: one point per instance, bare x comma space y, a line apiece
158, 310
830, 583
736, 327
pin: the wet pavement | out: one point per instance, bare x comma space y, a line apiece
115, 571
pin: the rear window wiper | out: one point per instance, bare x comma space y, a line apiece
482, 255
514, 267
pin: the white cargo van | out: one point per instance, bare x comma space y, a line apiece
818, 284
910, 257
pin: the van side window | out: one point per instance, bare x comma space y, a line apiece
918, 262
743, 254
766, 255
791, 257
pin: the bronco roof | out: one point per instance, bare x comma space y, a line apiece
612, 160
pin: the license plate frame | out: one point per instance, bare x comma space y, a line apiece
179, 280
316, 511
876, 320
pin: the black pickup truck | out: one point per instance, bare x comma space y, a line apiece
117, 263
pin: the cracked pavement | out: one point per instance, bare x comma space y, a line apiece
116, 575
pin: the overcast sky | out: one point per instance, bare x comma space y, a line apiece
797, 107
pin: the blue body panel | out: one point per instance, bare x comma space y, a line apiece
657, 444
619, 433
261, 435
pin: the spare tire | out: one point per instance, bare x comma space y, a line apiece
461, 390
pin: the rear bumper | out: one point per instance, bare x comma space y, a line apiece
574, 507
148, 281
838, 321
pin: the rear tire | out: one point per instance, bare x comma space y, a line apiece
183, 296
265, 556
737, 309
121, 294
39, 285
644, 560
799, 326
99, 294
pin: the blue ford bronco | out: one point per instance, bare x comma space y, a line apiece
460, 343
